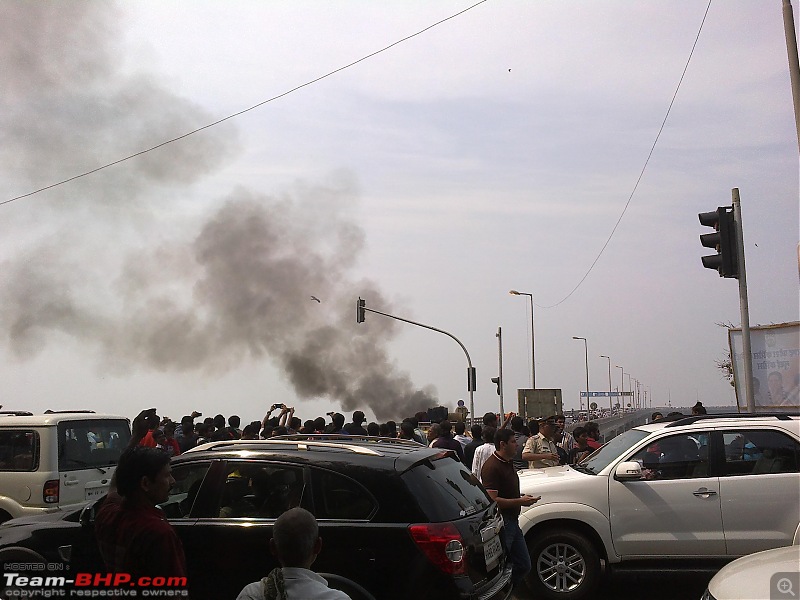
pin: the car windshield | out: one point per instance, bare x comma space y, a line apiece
603, 457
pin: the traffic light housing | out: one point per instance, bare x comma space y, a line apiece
723, 240
360, 310
496, 381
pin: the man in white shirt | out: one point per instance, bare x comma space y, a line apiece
460, 436
540, 450
295, 543
482, 453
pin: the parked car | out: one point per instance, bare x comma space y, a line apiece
765, 575
693, 494
57, 461
400, 519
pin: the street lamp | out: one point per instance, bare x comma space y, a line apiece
621, 383
609, 380
586, 353
533, 344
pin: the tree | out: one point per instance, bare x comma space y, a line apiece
725, 364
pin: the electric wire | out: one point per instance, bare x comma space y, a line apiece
644, 167
241, 112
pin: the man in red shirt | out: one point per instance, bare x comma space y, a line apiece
501, 481
132, 532
593, 429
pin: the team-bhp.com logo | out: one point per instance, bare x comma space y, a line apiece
90, 585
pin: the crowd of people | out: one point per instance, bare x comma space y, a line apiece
540, 442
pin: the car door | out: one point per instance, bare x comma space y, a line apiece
234, 513
759, 489
673, 511
88, 451
194, 484
353, 545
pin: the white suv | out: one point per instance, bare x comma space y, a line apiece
56, 460
692, 493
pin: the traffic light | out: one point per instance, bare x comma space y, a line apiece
496, 381
360, 312
472, 379
723, 240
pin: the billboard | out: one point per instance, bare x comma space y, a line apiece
775, 357
533, 404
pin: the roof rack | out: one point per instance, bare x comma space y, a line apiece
688, 420
300, 444
16, 413
60, 412
339, 437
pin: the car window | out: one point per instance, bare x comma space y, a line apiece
339, 497
445, 489
758, 452
188, 479
260, 490
19, 450
680, 456
91, 443
611, 451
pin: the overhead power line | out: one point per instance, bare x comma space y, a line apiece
241, 112
644, 167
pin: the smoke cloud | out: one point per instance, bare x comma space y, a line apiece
111, 262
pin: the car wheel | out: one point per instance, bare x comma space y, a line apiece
564, 566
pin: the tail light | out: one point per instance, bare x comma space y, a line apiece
50, 492
442, 544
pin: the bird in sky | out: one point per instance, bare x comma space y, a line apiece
315, 298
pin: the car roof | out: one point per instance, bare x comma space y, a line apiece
21, 419
789, 421
403, 454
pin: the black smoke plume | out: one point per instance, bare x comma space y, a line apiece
126, 263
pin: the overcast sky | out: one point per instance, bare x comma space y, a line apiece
495, 151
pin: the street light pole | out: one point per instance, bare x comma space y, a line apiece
609, 380
586, 354
533, 342
621, 382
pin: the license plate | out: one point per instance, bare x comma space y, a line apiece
492, 551
92, 493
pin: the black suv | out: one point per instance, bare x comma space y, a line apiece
400, 519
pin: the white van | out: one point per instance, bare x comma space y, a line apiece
58, 460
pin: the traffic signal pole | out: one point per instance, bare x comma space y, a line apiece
728, 241
361, 310
743, 305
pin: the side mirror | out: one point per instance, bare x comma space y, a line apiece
628, 470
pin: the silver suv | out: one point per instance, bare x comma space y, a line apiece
692, 493
57, 460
